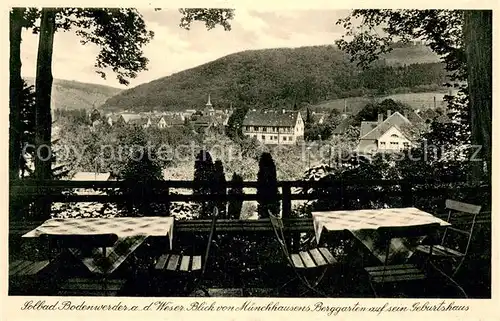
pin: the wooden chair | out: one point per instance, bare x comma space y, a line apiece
25, 275
445, 250
180, 263
96, 285
25, 272
305, 260
402, 272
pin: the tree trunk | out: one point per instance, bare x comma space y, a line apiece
43, 118
478, 37
16, 86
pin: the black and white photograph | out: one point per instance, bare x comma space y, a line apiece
250, 153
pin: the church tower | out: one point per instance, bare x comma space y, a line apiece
209, 109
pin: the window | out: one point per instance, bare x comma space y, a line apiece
276, 137
255, 128
263, 137
394, 144
382, 144
394, 135
406, 145
271, 137
284, 138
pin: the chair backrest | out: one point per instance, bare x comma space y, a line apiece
277, 224
388, 233
210, 238
465, 213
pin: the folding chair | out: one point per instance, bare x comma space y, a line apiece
26, 271
96, 285
386, 273
446, 250
187, 264
305, 260
23, 273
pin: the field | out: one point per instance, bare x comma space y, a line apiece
415, 100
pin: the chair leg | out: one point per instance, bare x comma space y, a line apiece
373, 288
450, 278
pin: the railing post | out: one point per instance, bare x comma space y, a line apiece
292, 239
167, 203
286, 207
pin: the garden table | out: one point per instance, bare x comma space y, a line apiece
131, 233
364, 223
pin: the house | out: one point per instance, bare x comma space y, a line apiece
142, 121
391, 134
114, 119
342, 127
274, 127
202, 123
131, 118
319, 118
168, 120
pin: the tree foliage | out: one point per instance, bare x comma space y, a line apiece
378, 30
278, 78
234, 207
211, 17
220, 187
462, 39
267, 187
204, 175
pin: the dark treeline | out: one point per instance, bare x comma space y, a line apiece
279, 77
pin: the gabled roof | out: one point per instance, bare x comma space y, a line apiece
414, 118
343, 126
271, 118
366, 127
396, 119
172, 120
202, 121
138, 121
428, 114
114, 117
128, 117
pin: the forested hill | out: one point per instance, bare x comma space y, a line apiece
69, 94
282, 77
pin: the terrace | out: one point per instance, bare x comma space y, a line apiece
243, 259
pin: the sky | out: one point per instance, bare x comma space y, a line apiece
174, 49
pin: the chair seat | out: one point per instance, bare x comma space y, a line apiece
395, 273
26, 267
176, 262
439, 250
313, 258
91, 287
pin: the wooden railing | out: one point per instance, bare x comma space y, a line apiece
27, 191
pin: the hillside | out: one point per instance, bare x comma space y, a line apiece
68, 94
283, 77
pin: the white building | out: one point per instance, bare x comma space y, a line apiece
274, 127
391, 134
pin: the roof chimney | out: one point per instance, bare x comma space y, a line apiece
380, 118
284, 111
389, 113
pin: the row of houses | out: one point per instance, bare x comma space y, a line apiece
202, 119
396, 131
